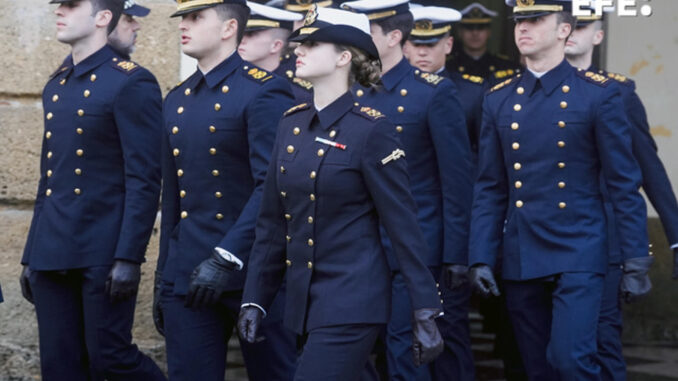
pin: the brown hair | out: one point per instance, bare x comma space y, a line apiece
364, 70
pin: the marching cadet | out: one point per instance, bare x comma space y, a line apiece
430, 122
124, 37
220, 125
427, 48
265, 40
579, 52
96, 202
548, 136
337, 169
473, 58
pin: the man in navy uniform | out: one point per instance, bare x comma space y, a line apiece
579, 52
430, 122
96, 203
124, 36
220, 125
547, 138
265, 40
472, 57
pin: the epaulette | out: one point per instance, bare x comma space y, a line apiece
502, 84
624, 80
430, 78
501, 74
592, 77
302, 83
473, 78
127, 67
257, 74
371, 113
296, 108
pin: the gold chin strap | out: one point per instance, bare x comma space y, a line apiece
431, 32
476, 21
183, 5
305, 7
381, 15
538, 8
253, 23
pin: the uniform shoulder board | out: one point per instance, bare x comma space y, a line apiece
598, 79
257, 74
296, 108
127, 67
473, 78
302, 83
620, 78
371, 113
430, 78
501, 74
502, 84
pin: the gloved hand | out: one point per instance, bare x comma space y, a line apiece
427, 342
25, 285
249, 321
454, 276
636, 281
208, 281
123, 280
483, 281
158, 318
675, 263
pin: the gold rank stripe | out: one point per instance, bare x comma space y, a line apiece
263, 23
306, 7
307, 30
183, 5
381, 15
432, 32
592, 17
476, 21
538, 8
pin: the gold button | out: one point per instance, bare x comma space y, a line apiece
283, 194
288, 217
78, 171
520, 90
517, 166
562, 205
220, 216
399, 128
175, 130
355, 104
81, 112
515, 146
282, 169
309, 264
49, 154
416, 71
50, 116
288, 238
561, 165
563, 104
566, 89
561, 185
561, 124
515, 126
519, 204
55, 98
49, 173
184, 214
296, 131
175, 152
180, 172
48, 134
401, 108
218, 194
312, 197
180, 110
359, 93
224, 89
187, 91
312, 175
517, 107
77, 191
290, 149
213, 129
561, 144
86, 93
310, 219
79, 152
182, 194
79, 131
215, 172
519, 184
403, 92
310, 242
48, 192
213, 151
245, 67
93, 77
288, 263
333, 133
321, 152
62, 82
217, 107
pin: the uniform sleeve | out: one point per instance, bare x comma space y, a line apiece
453, 150
39, 200
138, 116
170, 201
388, 184
621, 174
263, 116
266, 266
490, 195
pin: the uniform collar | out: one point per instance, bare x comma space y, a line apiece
549, 81
94, 60
335, 110
219, 73
393, 76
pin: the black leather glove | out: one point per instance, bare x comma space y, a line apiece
249, 321
483, 281
25, 284
636, 281
158, 318
455, 276
675, 263
123, 280
208, 281
427, 342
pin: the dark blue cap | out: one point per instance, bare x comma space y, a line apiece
523, 9
134, 9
